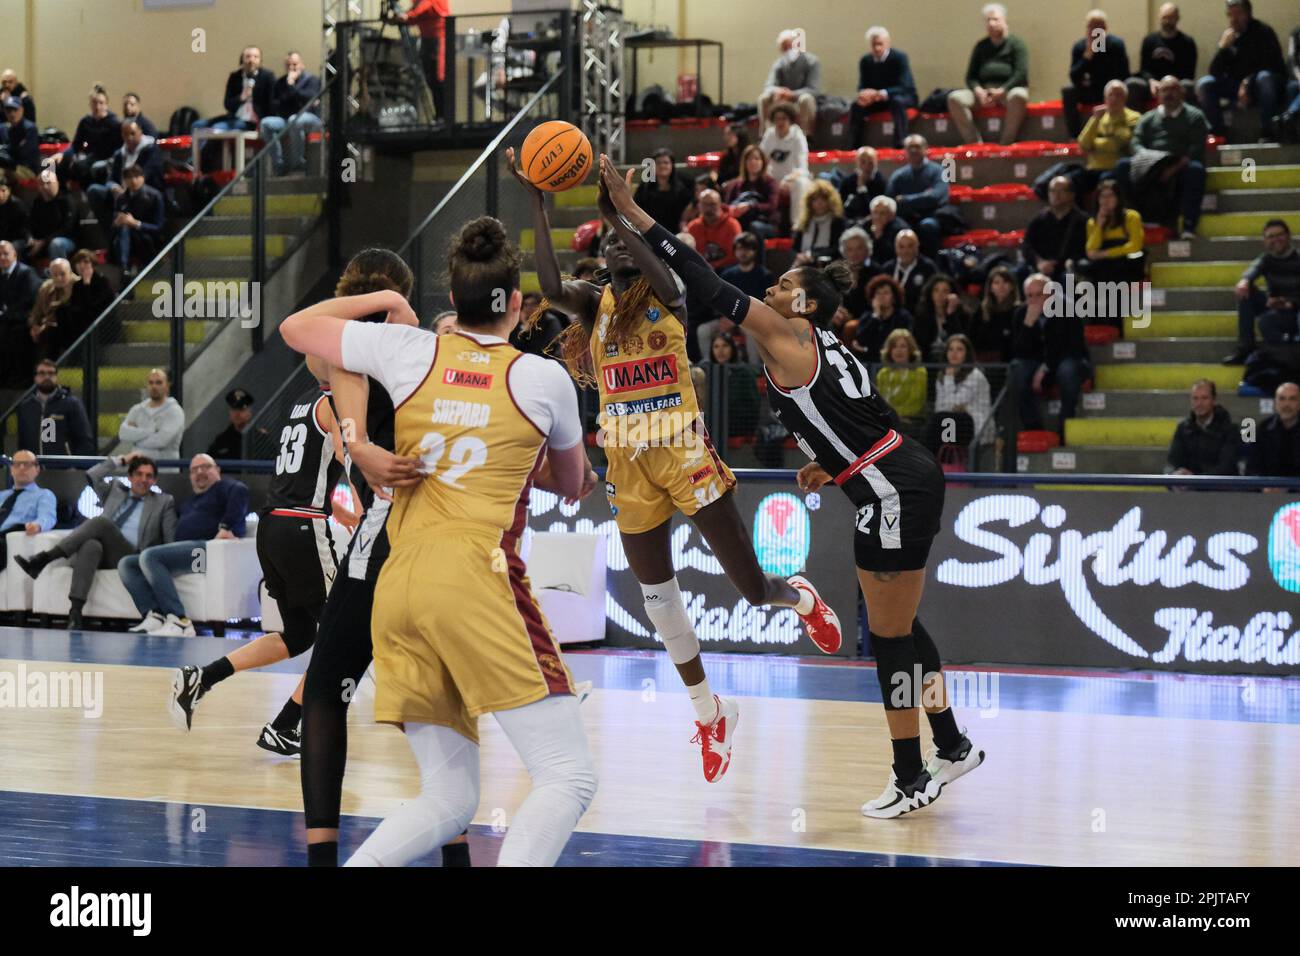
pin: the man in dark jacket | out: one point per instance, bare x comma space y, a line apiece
909, 268
18, 287
138, 224
1095, 60
859, 187
1276, 449
53, 221
884, 83
289, 99
98, 133
21, 141
1277, 310
248, 97
229, 444
1248, 70
1058, 234
1167, 51
10, 86
1206, 442
137, 149
13, 218
52, 421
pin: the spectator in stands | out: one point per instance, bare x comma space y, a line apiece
794, 79
1108, 136
1057, 237
43, 322
26, 506
859, 187
217, 511
939, 316
786, 149
133, 518
19, 285
731, 163
919, 188
904, 381
131, 111
747, 275
1095, 61
1166, 52
910, 270
51, 420
229, 444
962, 403
703, 182
1276, 448
154, 426
817, 231
20, 148
10, 86
855, 252
884, 83
1179, 129
92, 294
249, 90
137, 150
715, 230
289, 107
1045, 351
998, 75
1248, 70
537, 340
13, 219
98, 134
666, 196
53, 221
754, 196
992, 326
1288, 123
431, 17
883, 228
1206, 442
886, 314
1115, 240
1274, 310
742, 385
138, 224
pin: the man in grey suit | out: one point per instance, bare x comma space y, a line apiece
133, 519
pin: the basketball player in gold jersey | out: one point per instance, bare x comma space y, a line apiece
457, 630
629, 341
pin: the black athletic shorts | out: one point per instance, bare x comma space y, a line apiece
897, 521
297, 557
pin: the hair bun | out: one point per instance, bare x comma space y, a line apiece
840, 275
481, 240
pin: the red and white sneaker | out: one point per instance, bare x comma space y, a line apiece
822, 623
715, 739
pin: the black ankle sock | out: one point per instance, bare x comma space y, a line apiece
323, 854
944, 727
907, 759
215, 673
456, 854
289, 716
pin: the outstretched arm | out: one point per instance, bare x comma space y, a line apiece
318, 329
575, 298
652, 267
787, 343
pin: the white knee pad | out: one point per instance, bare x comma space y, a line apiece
667, 612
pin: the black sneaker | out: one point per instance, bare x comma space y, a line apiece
33, 566
186, 692
903, 798
286, 743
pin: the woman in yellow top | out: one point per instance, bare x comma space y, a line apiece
1115, 240
1108, 135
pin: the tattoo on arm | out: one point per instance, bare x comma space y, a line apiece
885, 576
804, 336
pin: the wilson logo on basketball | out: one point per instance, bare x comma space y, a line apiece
643, 373
576, 170
455, 376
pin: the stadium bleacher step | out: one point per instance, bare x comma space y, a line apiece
1162, 403
120, 377
1165, 376
238, 245
1256, 200
158, 331
1239, 249
561, 238
218, 267
135, 353
240, 225
443, 166
1253, 178
1112, 430
1182, 324
287, 204
1244, 223
1169, 275
1195, 298
1098, 459
1181, 349
1262, 154
566, 258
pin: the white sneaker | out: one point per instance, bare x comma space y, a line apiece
175, 627
944, 768
152, 621
583, 691
899, 799
715, 739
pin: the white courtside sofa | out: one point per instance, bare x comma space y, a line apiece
567, 571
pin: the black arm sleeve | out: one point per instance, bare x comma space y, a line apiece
698, 275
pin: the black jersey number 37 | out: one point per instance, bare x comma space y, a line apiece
293, 442
853, 377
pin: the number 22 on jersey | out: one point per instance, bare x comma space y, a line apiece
465, 454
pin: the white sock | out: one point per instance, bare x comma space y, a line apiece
445, 806
549, 737
806, 602
706, 708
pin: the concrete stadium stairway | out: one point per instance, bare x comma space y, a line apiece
1141, 382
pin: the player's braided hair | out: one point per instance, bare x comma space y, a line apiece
375, 270
573, 345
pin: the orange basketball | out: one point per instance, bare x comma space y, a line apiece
556, 156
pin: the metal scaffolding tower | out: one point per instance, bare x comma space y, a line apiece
600, 96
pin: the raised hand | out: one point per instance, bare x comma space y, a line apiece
515, 171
